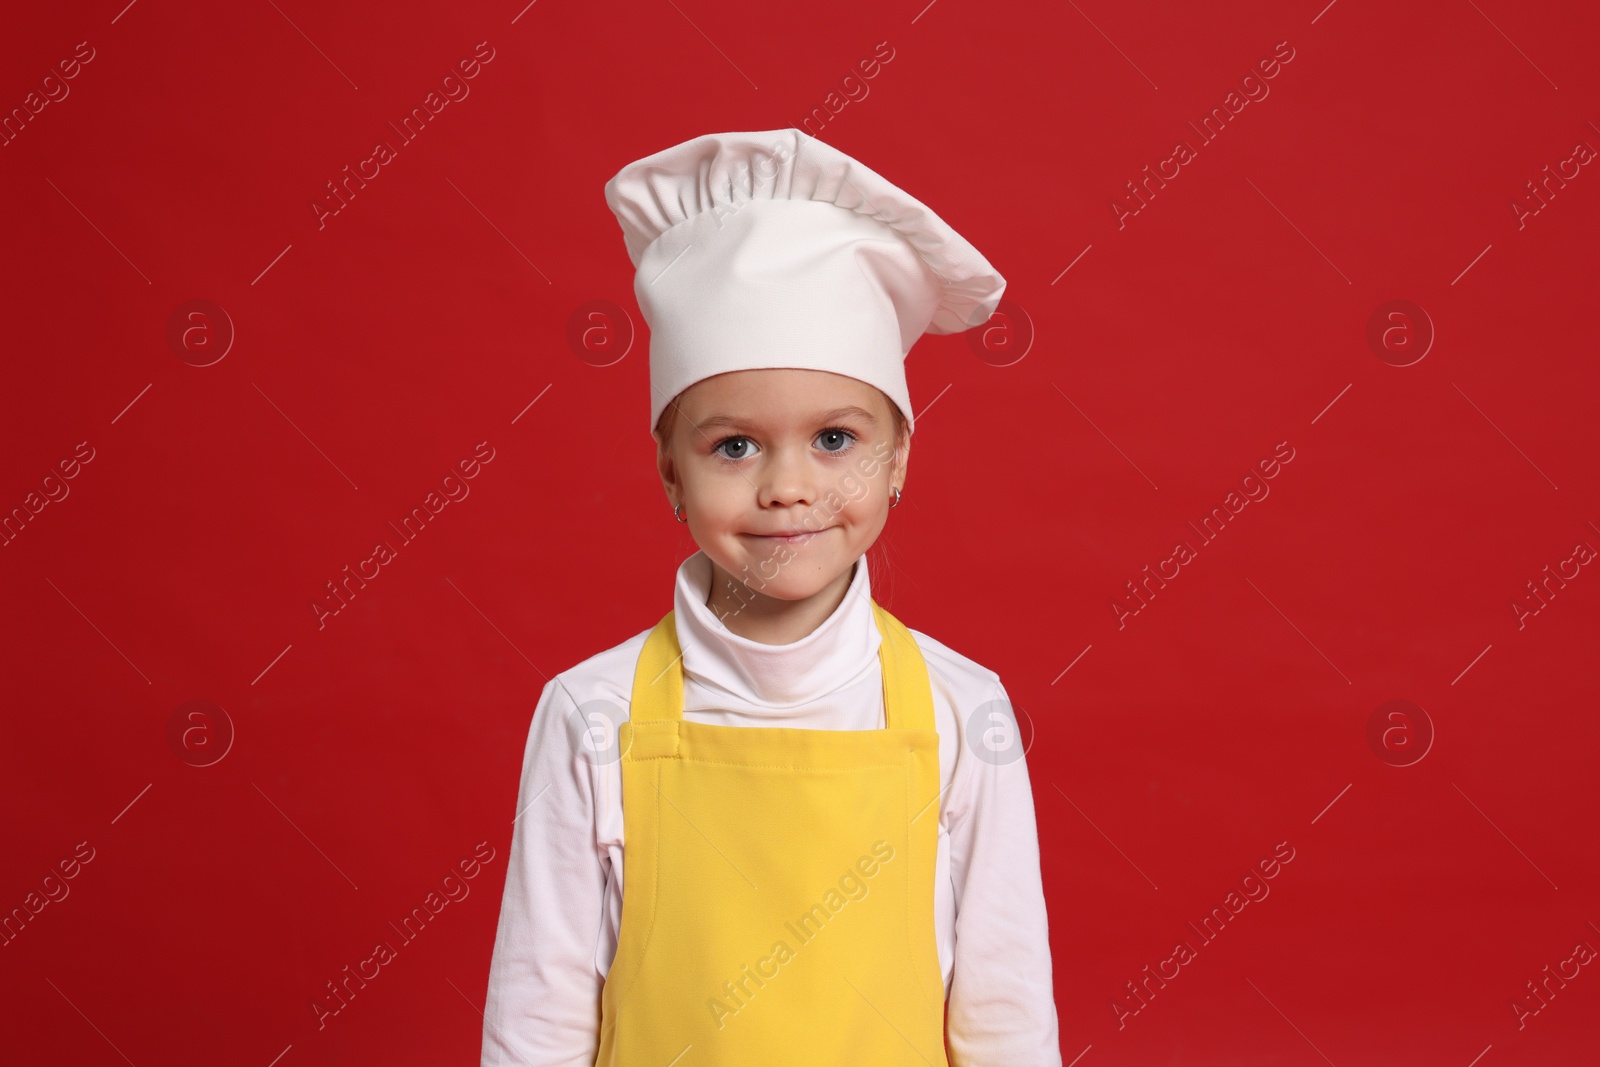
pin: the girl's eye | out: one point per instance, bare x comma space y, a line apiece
741, 448
845, 437
834, 441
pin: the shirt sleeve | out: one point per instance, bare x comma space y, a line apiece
1002, 1010
543, 1005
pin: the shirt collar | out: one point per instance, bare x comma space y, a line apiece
779, 676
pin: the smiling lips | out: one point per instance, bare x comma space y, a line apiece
792, 536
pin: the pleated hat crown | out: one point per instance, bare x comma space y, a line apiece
773, 249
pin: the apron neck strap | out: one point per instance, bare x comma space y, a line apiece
658, 677
907, 698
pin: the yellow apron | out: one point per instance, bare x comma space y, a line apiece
778, 903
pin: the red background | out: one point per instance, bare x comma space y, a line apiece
1231, 313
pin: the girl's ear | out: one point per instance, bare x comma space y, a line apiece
902, 460
666, 468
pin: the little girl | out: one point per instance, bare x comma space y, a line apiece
830, 860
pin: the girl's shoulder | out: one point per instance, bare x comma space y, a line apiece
606, 675
961, 673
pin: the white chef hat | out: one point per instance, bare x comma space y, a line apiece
773, 249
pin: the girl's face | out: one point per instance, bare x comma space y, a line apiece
758, 453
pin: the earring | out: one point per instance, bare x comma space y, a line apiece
675, 509
896, 501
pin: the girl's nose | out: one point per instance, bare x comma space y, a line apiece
788, 478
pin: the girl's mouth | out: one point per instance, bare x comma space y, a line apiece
790, 538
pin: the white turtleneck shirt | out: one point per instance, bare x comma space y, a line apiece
562, 903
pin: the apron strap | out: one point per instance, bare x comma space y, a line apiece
658, 678
907, 696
